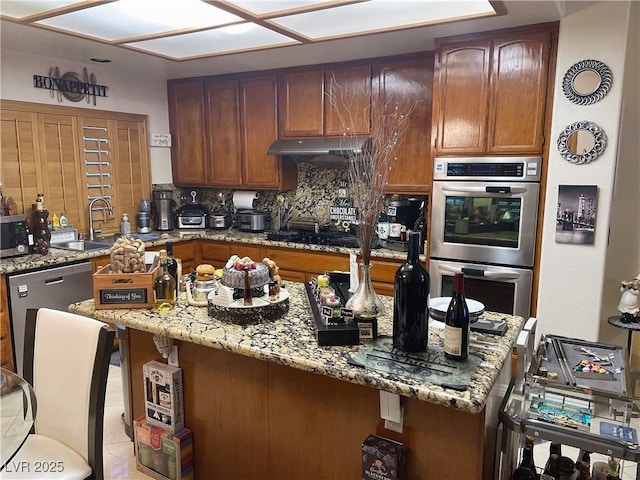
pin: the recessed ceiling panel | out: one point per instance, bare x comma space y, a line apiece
133, 18
229, 39
380, 15
262, 7
23, 8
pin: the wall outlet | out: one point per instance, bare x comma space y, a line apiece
395, 426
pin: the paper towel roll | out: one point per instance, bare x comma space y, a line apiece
244, 200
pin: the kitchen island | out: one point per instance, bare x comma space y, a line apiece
265, 401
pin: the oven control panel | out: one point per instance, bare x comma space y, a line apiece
487, 168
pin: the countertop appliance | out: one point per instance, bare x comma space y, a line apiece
143, 217
253, 220
191, 215
53, 288
163, 209
14, 236
219, 221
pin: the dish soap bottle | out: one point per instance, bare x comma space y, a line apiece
63, 220
125, 226
55, 221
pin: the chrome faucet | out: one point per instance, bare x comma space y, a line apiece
109, 209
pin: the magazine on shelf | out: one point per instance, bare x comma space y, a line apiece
627, 435
561, 413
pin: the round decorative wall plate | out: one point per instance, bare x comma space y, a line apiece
581, 142
587, 82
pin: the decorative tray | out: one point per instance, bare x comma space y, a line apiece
261, 310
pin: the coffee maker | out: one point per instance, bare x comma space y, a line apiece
163, 209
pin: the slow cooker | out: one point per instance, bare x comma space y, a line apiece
219, 221
253, 221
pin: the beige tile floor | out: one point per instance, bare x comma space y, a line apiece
119, 460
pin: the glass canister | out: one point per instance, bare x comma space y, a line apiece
127, 255
201, 289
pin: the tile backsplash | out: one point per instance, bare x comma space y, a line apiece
317, 191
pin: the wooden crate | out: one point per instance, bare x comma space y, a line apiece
123, 290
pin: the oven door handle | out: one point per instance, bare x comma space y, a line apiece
478, 272
484, 189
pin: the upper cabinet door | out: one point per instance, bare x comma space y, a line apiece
490, 93
460, 95
187, 124
259, 130
223, 133
348, 96
301, 103
520, 66
409, 82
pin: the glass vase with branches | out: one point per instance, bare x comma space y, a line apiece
369, 168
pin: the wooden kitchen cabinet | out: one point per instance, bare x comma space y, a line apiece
217, 253
223, 133
409, 82
259, 128
188, 126
490, 92
301, 103
305, 101
222, 127
6, 349
350, 86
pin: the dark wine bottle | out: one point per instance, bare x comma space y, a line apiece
172, 265
527, 462
551, 467
411, 301
456, 325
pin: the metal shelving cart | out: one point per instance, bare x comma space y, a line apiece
574, 408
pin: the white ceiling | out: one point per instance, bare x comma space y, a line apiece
40, 41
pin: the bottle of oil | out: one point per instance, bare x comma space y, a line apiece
164, 287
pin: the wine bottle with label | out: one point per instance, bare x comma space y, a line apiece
164, 286
174, 266
411, 301
456, 325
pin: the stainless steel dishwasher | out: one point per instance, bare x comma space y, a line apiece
53, 288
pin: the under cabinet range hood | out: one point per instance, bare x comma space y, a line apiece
319, 150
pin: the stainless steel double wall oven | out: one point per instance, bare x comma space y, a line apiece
483, 223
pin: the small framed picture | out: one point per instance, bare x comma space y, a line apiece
576, 214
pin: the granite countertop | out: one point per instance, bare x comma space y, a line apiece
291, 341
58, 256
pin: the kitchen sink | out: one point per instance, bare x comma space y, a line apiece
110, 239
82, 245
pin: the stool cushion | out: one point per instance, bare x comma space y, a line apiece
42, 458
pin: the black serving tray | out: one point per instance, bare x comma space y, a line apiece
346, 333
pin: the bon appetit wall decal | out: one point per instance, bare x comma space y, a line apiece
71, 85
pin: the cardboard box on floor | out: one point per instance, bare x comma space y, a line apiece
161, 454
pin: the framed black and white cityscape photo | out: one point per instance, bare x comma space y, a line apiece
576, 214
